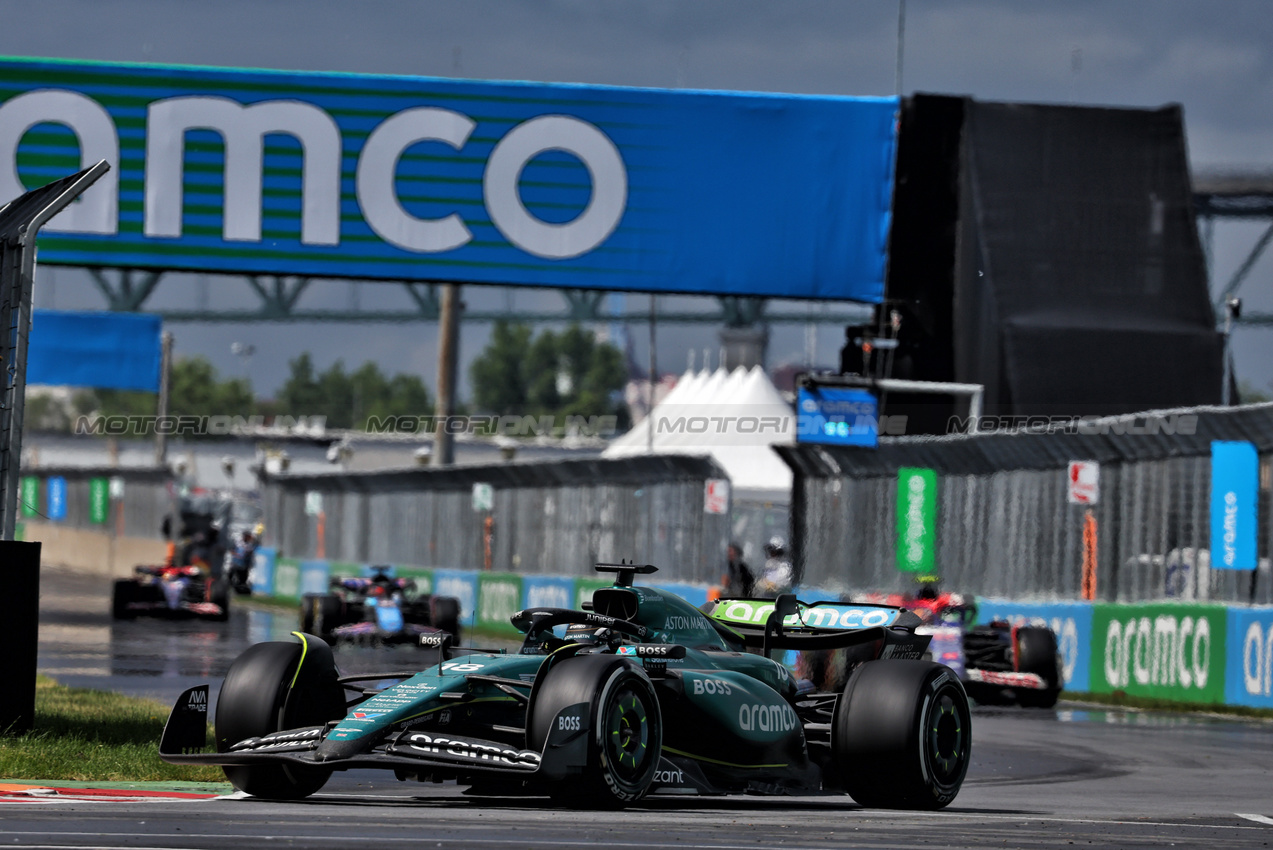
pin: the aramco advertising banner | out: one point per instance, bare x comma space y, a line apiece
917, 520
1168, 651
412, 178
1235, 475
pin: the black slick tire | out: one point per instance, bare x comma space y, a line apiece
625, 728
263, 692
902, 735
444, 614
122, 592
1037, 653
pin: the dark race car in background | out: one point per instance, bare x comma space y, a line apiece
378, 609
999, 662
171, 591
643, 693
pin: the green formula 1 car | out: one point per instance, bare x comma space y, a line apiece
644, 693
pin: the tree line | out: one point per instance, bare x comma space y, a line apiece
518, 372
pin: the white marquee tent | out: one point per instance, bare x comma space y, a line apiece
735, 417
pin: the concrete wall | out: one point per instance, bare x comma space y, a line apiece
93, 551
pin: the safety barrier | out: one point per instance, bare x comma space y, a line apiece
1189, 653
487, 599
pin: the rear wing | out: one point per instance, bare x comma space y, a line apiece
787, 623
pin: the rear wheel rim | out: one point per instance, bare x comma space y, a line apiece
946, 731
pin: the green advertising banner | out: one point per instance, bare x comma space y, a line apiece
287, 578
30, 495
584, 588
1164, 650
916, 520
99, 500
423, 578
499, 596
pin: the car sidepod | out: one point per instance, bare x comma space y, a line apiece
733, 731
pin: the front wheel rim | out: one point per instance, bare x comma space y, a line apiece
627, 731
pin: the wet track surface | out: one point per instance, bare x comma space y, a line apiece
1071, 777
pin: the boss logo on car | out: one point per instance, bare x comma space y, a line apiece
712, 686
767, 718
470, 750
569, 723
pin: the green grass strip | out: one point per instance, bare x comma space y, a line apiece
87, 735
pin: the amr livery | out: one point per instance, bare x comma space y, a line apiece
642, 693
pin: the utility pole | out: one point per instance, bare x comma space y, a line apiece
161, 410
448, 343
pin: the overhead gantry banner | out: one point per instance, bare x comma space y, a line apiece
411, 178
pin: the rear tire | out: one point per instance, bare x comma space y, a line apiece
1037, 653
444, 614
258, 698
625, 728
122, 593
321, 614
902, 735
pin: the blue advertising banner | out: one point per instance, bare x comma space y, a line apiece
1071, 621
414, 178
548, 592
261, 576
836, 416
57, 497
461, 584
1235, 474
1248, 672
314, 577
115, 351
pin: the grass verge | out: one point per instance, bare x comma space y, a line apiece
1121, 699
87, 735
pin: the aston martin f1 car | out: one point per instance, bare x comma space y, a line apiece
378, 609
642, 693
172, 592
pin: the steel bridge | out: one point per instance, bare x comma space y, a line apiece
1235, 195
278, 298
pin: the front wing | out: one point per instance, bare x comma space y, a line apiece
185, 738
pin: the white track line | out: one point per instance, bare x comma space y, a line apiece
1256, 818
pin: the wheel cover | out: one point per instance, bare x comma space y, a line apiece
627, 732
946, 730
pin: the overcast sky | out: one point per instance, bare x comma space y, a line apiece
1213, 58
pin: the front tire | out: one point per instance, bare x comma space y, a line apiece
625, 728
219, 595
263, 693
122, 593
902, 735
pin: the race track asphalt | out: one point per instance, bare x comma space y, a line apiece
1075, 776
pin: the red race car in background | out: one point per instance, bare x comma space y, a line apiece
171, 591
998, 662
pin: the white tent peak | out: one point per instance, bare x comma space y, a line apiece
732, 416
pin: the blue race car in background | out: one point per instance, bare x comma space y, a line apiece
378, 609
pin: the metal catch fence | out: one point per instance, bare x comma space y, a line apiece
542, 518
1004, 524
